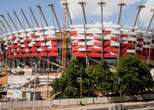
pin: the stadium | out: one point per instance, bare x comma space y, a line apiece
44, 44
46, 50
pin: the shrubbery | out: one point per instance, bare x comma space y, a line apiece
131, 77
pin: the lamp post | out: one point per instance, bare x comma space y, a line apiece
83, 3
80, 81
149, 54
140, 7
101, 4
121, 5
34, 90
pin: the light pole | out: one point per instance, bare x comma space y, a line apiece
34, 90
149, 54
140, 7
82, 3
101, 4
121, 5
80, 81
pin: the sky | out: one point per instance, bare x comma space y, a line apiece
92, 9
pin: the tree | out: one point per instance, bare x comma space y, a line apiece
101, 77
94, 78
68, 85
132, 76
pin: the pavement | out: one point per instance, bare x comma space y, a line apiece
129, 105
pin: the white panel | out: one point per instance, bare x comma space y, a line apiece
97, 47
94, 30
33, 39
152, 46
82, 49
115, 32
22, 45
107, 37
43, 44
146, 46
31, 44
39, 39
113, 53
147, 40
114, 43
131, 39
48, 43
49, 32
81, 43
39, 49
80, 37
132, 33
21, 40
90, 42
131, 51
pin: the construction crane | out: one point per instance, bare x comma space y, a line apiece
64, 34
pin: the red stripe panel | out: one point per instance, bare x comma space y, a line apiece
79, 54
94, 54
53, 54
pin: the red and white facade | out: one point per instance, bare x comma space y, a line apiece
117, 43
31, 44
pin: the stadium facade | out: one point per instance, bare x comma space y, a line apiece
35, 44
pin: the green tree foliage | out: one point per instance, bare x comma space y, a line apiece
69, 85
132, 76
94, 78
101, 77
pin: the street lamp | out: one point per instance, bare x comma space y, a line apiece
83, 3
34, 90
121, 5
80, 81
101, 4
149, 54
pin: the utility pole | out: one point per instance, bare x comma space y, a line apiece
121, 5
102, 24
84, 26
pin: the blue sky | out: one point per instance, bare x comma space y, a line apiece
129, 11
10, 5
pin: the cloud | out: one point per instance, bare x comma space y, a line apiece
146, 12
92, 7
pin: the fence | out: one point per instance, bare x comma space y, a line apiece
75, 101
